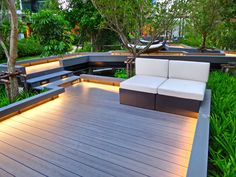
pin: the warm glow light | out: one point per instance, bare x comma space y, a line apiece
110, 88
42, 67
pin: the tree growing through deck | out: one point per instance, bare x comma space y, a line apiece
9, 43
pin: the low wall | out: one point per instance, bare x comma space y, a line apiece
23, 105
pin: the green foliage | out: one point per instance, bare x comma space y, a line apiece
121, 73
52, 5
129, 19
212, 18
29, 47
85, 48
52, 31
4, 101
5, 30
222, 151
205, 16
83, 15
26, 48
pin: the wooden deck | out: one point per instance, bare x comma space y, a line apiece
86, 132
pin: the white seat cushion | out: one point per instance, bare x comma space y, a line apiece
152, 67
187, 89
188, 70
148, 84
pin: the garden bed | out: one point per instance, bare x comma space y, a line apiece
222, 154
27, 103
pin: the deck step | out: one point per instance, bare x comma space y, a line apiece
63, 82
37, 81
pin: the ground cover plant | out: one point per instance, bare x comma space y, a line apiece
121, 73
222, 149
4, 101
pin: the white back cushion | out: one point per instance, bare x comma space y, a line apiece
151, 67
188, 70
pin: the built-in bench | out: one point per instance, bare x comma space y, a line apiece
170, 86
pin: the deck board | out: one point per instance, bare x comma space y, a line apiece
86, 132
5, 173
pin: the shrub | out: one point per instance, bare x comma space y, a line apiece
29, 47
222, 150
121, 73
52, 31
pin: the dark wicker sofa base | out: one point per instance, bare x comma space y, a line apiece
137, 99
180, 106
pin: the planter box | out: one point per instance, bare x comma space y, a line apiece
28, 103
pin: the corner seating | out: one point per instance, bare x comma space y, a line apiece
170, 86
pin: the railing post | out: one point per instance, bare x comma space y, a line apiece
129, 66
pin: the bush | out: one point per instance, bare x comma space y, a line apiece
222, 150
52, 31
121, 73
26, 47
29, 47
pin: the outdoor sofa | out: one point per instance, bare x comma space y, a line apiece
166, 85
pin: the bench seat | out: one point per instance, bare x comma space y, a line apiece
180, 88
148, 84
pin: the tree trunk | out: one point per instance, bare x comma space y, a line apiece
91, 43
11, 60
203, 47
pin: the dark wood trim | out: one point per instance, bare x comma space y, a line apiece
180, 106
137, 99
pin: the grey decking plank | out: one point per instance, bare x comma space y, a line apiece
4, 173
16, 168
78, 114
59, 159
87, 125
118, 147
128, 121
137, 166
111, 102
178, 154
165, 137
163, 117
153, 152
148, 133
101, 133
33, 162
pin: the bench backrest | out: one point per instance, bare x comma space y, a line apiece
152, 67
197, 71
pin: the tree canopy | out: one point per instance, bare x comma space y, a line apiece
129, 19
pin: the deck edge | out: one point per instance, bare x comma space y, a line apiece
198, 162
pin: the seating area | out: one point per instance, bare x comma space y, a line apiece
166, 85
